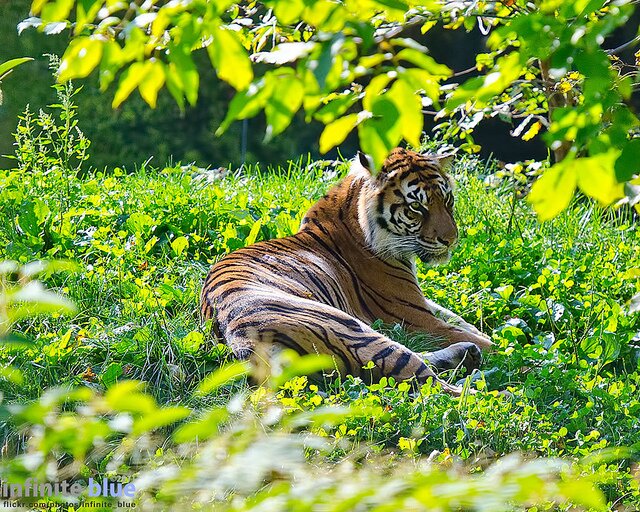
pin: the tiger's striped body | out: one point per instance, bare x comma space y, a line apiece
352, 262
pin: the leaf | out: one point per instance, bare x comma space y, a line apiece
246, 103
284, 102
253, 234
336, 105
288, 12
159, 418
33, 299
307, 364
597, 177
410, 107
80, 58
335, 133
552, 192
32, 21
186, 71
58, 10
382, 131
628, 163
425, 62
179, 245
224, 375
532, 131
152, 81
284, 53
130, 79
482, 88
230, 59
110, 376
128, 396
10, 64
203, 428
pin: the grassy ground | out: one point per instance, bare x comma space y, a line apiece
553, 296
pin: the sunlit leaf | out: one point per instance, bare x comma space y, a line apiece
129, 396
285, 52
179, 245
159, 418
230, 59
226, 374
552, 192
628, 163
56, 10
284, 102
10, 64
129, 80
80, 58
597, 178
334, 133
246, 103
152, 81
410, 108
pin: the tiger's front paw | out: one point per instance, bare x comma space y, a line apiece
465, 354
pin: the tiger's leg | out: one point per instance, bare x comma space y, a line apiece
465, 354
450, 317
311, 327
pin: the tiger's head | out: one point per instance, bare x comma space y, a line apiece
406, 209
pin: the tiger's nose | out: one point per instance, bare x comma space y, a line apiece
447, 242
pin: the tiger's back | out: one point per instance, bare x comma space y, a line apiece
352, 262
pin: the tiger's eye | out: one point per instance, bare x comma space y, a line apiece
415, 206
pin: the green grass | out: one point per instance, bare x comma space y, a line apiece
553, 295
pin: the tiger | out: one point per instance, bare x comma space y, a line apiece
352, 262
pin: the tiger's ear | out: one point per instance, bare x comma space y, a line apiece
446, 161
365, 162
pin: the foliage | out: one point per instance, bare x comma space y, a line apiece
349, 65
550, 294
52, 144
7, 67
247, 455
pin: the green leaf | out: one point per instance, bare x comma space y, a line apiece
382, 132
230, 59
483, 88
203, 428
552, 192
335, 133
336, 105
628, 163
112, 61
152, 81
410, 107
15, 339
159, 418
110, 376
284, 102
5, 67
128, 396
246, 103
224, 375
130, 79
179, 245
307, 364
597, 177
288, 12
186, 71
253, 234
425, 62
33, 299
80, 58
58, 10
